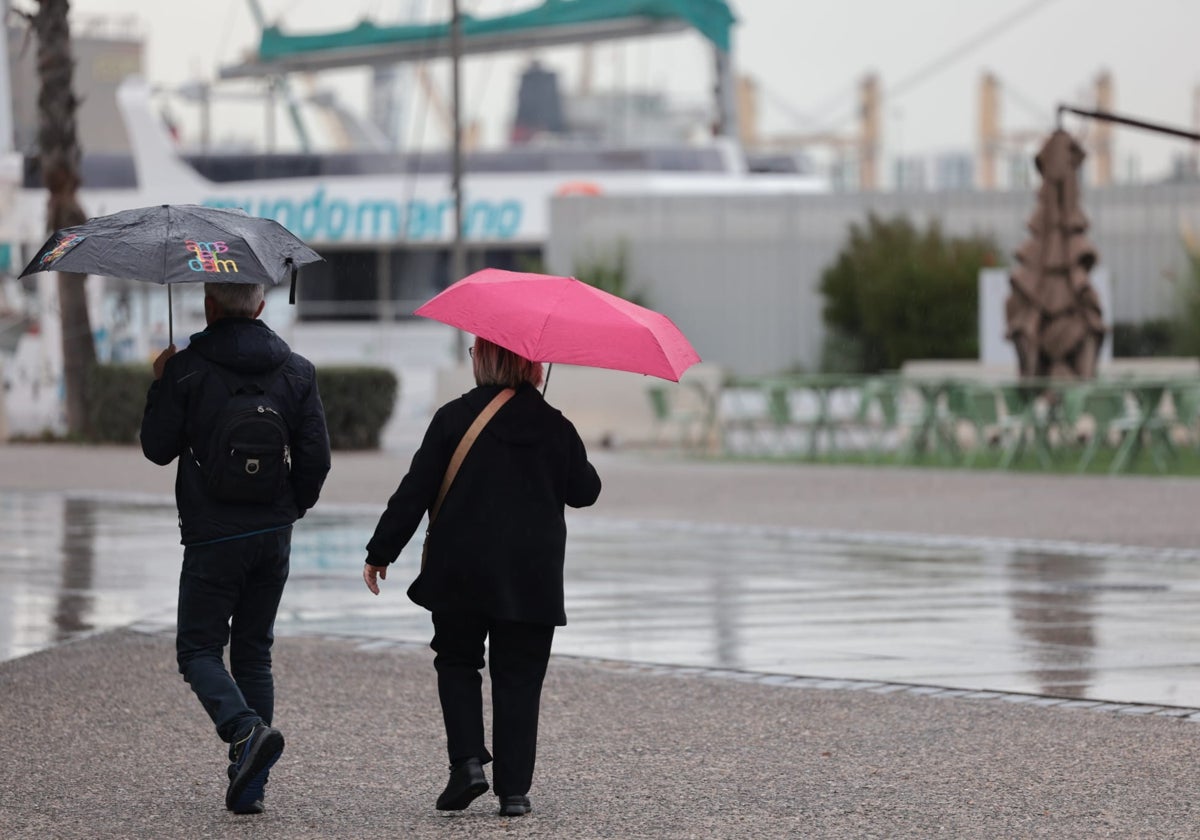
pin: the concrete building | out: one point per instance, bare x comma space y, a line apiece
106, 51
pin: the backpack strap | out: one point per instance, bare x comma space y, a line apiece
464, 446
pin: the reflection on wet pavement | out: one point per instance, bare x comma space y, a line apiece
1082, 621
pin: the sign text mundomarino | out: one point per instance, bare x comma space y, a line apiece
319, 218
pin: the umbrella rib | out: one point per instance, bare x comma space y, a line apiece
550, 311
229, 230
613, 302
267, 270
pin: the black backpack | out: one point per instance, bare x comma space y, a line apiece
249, 457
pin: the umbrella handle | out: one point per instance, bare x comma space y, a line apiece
170, 318
546, 381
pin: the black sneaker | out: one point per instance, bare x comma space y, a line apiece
257, 806
254, 756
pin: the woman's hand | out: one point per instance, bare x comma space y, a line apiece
369, 576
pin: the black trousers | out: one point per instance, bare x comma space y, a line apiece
229, 593
517, 657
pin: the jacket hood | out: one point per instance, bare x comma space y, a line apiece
243, 344
524, 419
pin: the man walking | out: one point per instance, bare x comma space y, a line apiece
242, 414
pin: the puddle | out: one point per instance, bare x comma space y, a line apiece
1112, 625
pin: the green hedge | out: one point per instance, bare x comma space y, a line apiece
117, 399
897, 291
358, 403
1156, 337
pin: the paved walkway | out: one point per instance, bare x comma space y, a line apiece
104, 740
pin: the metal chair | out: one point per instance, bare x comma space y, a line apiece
979, 407
877, 414
1144, 427
1028, 422
669, 416
1185, 399
1105, 406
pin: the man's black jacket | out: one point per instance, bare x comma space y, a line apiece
498, 543
182, 407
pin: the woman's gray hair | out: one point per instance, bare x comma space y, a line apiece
494, 365
239, 300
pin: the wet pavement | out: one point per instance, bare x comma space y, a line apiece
1067, 619
878, 586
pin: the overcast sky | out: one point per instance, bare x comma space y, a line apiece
806, 55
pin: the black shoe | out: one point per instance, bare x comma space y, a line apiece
254, 756
257, 806
466, 782
514, 806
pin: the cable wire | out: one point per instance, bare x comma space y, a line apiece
814, 117
942, 62
939, 64
1025, 103
480, 94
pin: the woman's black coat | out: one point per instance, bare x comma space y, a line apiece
499, 540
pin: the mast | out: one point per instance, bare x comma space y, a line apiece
458, 256
281, 83
6, 112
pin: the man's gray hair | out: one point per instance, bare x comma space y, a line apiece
239, 300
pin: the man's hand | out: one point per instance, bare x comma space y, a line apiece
161, 361
369, 574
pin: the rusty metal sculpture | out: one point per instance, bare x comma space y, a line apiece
1053, 313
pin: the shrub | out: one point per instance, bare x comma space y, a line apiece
841, 353
118, 398
606, 270
903, 293
358, 403
609, 272
1156, 337
1186, 332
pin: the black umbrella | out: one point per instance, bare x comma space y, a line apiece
177, 243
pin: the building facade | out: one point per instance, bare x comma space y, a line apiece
740, 274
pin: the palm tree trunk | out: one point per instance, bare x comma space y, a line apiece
59, 153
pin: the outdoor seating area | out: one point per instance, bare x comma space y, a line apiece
1114, 424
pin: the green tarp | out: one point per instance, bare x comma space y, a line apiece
712, 18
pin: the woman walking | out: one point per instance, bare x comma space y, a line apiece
495, 471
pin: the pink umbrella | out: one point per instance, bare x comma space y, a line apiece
559, 319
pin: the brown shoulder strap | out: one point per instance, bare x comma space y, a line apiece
465, 444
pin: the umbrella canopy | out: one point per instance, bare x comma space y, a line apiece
560, 319
1053, 314
177, 243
